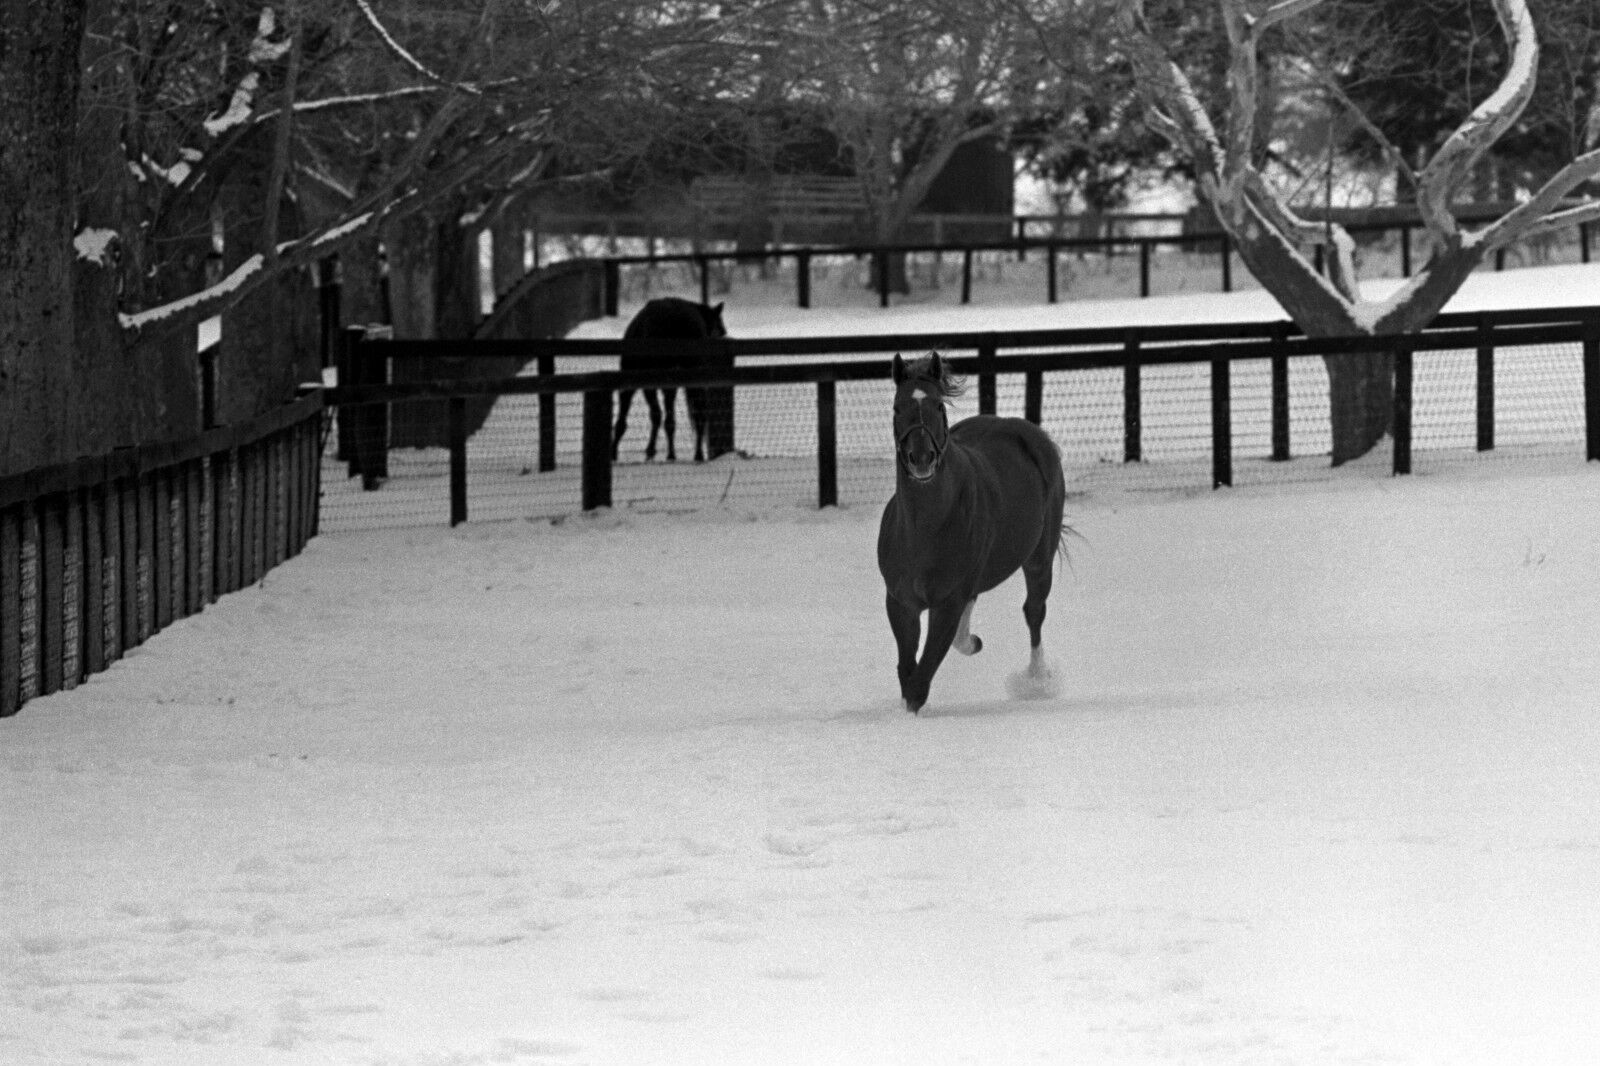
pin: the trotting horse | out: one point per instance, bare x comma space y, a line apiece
973, 503
668, 318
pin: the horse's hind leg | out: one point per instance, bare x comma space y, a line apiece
1039, 574
967, 642
624, 399
1039, 579
655, 422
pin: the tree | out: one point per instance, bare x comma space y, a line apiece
904, 86
40, 42
136, 133
1279, 246
1416, 66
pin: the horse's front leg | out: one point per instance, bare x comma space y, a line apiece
669, 419
906, 624
943, 622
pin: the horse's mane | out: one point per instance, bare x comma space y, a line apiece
949, 383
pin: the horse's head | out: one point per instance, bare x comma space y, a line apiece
713, 319
921, 428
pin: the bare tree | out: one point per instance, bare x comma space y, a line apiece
1280, 247
904, 86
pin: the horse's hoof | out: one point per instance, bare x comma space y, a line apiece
914, 706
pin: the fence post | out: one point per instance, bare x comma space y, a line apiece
10, 610
596, 449
1485, 384
704, 263
208, 383
161, 519
827, 445
1033, 396
29, 602
880, 269
1402, 411
1132, 452
547, 417
1591, 386
986, 385
52, 520
1221, 423
1050, 270
1227, 263
1280, 394
966, 276
94, 588
613, 286
1144, 266
1405, 250
458, 460
802, 277
1583, 241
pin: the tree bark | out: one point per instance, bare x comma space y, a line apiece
40, 43
265, 350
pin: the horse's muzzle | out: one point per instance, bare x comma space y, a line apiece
920, 457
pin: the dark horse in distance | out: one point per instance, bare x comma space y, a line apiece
973, 503
669, 318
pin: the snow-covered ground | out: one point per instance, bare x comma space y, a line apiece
1322, 785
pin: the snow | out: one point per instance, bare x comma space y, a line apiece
239, 105
93, 244
235, 278
1318, 785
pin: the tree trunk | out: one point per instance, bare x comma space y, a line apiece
39, 76
506, 244
266, 348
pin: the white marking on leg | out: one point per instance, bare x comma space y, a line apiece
965, 642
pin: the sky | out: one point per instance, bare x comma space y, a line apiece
1316, 784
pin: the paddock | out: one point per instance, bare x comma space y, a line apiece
635, 787
626, 789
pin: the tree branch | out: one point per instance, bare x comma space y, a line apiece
1452, 164
405, 56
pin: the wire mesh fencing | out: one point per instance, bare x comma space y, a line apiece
1538, 409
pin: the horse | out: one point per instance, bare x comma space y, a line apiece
669, 318
973, 503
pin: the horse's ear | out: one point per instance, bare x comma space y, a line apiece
935, 366
899, 373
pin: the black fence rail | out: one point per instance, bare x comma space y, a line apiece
1050, 246
99, 554
1015, 358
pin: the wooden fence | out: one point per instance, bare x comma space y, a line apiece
1128, 348
98, 554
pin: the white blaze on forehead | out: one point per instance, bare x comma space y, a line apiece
918, 394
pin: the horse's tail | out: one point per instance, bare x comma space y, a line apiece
1054, 472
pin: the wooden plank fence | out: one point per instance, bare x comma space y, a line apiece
99, 554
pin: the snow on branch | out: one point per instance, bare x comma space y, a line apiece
1452, 164
405, 56
263, 49
229, 285
1544, 211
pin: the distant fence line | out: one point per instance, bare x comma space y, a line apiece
1025, 239
98, 554
1126, 348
